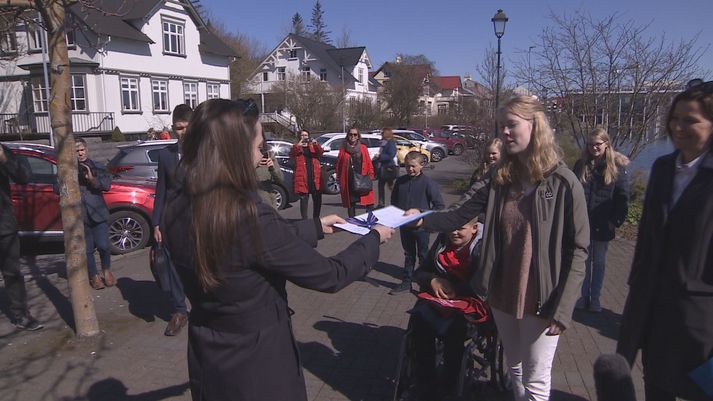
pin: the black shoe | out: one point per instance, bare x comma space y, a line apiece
28, 323
404, 286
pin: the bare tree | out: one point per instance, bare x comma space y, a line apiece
52, 13
488, 70
345, 38
315, 104
364, 113
417, 59
611, 73
401, 92
250, 50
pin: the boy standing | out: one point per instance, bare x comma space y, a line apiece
414, 190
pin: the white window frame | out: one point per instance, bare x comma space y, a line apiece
212, 94
281, 73
75, 97
34, 40
70, 34
322, 74
130, 85
39, 96
179, 33
361, 75
190, 93
159, 87
292, 54
8, 42
265, 76
306, 73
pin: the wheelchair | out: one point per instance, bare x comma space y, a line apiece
483, 364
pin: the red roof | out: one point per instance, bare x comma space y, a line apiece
447, 82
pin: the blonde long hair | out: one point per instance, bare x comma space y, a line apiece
611, 165
542, 154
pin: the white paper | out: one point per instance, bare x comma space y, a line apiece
390, 216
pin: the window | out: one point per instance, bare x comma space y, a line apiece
8, 42
130, 94
42, 171
213, 91
306, 73
71, 40
159, 90
190, 94
322, 74
293, 53
442, 109
78, 98
34, 38
265, 76
39, 96
281, 75
173, 42
361, 75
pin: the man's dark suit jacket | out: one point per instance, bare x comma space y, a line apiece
93, 206
17, 170
170, 180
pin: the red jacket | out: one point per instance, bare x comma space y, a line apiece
300, 178
343, 176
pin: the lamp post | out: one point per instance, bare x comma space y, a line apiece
499, 21
529, 71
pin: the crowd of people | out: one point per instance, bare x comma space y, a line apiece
529, 238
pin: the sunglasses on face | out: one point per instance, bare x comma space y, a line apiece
353, 135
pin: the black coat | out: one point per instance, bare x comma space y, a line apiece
669, 309
605, 202
240, 340
169, 181
18, 170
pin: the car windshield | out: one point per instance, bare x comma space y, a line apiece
322, 139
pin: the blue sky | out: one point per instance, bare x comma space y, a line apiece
455, 33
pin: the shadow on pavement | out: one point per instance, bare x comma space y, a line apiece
363, 361
606, 322
389, 269
146, 300
557, 395
112, 389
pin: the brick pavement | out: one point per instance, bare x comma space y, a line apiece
348, 341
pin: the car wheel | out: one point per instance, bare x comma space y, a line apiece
280, 197
458, 149
331, 184
437, 155
128, 231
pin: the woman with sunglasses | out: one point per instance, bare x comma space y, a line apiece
354, 155
534, 244
234, 254
602, 172
669, 310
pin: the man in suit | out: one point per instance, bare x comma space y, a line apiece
93, 182
17, 170
168, 184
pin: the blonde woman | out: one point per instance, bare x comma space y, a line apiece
602, 172
534, 244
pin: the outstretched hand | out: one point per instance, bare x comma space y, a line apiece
411, 212
329, 221
385, 233
555, 329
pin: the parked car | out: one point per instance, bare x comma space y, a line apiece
470, 139
453, 143
333, 141
404, 146
130, 202
140, 159
330, 182
438, 151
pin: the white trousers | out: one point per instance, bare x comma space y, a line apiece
529, 353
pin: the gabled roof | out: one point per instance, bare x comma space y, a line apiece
447, 82
346, 56
121, 17
420, 71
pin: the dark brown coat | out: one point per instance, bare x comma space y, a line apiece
240, 341
669, 309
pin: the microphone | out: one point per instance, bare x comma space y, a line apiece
612, 379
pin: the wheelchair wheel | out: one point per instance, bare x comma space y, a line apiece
404, 375
475, 365
500, 373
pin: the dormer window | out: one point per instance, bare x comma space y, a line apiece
293, 53
173, 38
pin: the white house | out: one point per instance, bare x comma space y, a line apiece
130, 67
299, 56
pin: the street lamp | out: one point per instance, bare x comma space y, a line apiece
499, 21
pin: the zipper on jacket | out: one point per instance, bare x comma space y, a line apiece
535, 248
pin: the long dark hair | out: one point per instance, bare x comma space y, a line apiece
220, 178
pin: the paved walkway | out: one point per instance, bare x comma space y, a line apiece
348, 341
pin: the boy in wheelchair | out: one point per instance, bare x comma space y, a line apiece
446, 304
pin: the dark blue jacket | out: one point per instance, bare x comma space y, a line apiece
419, 192
169, 180
605, 203
387, 153
93, 206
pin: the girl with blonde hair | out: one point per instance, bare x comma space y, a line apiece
602, 172
534, 244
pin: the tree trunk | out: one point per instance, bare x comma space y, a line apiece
85, 318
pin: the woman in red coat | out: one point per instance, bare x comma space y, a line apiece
354, 153
306, 181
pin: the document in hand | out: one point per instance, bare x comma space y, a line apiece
390, 216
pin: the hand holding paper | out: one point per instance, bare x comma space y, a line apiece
390, 216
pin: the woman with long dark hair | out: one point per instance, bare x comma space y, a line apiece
669, 310
354, 156
307, 178
234, 255
602, 172
534, 244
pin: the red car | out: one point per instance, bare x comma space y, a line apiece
455, 143
130, 203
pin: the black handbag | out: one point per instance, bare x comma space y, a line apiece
359, 184
160, 266
389, 172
